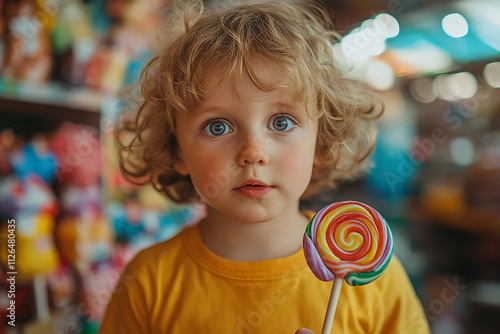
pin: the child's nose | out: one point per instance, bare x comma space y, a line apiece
253, 151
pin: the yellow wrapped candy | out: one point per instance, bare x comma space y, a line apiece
33, 251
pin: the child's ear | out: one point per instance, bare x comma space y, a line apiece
318, 158
180, 167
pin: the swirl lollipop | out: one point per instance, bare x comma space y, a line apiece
347, 240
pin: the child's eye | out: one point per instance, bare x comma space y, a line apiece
216, 128
281, 123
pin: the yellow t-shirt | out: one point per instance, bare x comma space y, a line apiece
179, 286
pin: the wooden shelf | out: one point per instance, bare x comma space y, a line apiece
468, 218
51, 111
29, 109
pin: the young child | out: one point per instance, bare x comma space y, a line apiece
246, 110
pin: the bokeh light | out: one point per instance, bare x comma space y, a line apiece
422, 91
462, 151
455, 25
456, 86
390, 24
379, 75
491, 74
463, 85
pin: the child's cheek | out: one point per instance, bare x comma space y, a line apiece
297, 160
297, 165
213, 175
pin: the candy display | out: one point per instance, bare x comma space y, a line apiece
7, 145
77, 200
97, 286
78, 153
30, 195
54, 184
61, 285
35, 158
32, 204
84, 240
34, 245
347, 240
28, 46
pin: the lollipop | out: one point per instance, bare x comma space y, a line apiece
347, 240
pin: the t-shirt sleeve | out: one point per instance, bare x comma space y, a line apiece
399, 310
127, 309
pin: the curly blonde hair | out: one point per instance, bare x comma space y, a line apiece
296, 38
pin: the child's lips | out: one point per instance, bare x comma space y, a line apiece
254, 190
253, 183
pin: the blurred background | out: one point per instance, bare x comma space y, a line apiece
69, 68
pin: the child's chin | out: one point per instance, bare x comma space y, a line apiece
255, 218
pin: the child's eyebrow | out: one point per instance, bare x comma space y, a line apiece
278, 106
205, 109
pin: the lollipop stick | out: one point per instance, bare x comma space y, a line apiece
41, 299
332, 306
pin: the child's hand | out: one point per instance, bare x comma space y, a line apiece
304, 331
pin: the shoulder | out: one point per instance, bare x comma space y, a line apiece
398, 306
392, 282
395, 274
160, 256
393, 286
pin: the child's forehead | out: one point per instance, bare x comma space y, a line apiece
244, 72
225, 91
256, 80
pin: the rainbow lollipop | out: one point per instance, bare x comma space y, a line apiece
347, 240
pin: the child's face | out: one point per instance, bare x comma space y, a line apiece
250, 157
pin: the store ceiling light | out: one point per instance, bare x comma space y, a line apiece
463, 85
389, 23
421, 90
379, 75
455, 25
442, 87
491, 74
363, 43
369, 39
462, 151
451, 87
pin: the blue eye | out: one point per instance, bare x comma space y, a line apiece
216, 128
282, 123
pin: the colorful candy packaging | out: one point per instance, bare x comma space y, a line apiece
32, 207
78, 152
84, 240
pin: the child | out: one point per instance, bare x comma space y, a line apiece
246, 110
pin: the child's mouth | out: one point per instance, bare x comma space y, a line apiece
254, 190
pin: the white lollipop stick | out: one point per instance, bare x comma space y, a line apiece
41, 299
332, 306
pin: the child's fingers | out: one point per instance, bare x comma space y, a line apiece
304, 331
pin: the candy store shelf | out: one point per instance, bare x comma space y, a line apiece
478, 220
32, 107
51, 111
